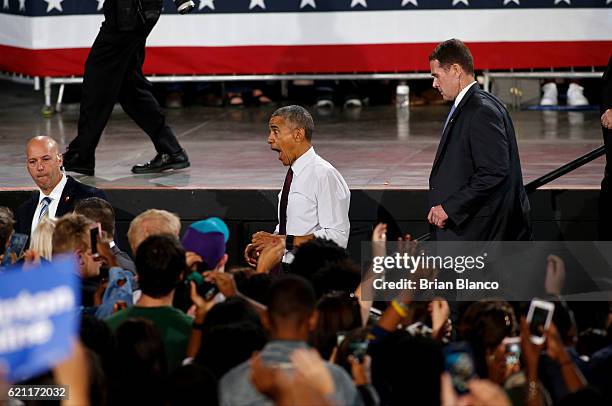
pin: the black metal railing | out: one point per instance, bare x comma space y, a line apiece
565, 169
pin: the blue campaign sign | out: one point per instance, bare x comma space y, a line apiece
38, 317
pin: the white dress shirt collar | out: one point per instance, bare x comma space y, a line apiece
462, 94
55, 195
303, 161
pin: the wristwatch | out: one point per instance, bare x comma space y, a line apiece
289, 242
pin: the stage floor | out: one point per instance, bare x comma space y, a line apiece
373, 148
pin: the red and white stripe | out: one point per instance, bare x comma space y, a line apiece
376, 41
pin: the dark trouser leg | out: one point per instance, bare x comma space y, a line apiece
324, 90
138, 102
349, 89
104, 72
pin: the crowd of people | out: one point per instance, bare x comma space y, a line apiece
153, 332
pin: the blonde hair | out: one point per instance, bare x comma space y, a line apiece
42, 238
71, 234
152, 222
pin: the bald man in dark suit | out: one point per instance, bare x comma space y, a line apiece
57, 193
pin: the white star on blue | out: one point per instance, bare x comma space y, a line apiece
54, 4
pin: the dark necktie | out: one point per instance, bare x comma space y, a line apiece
282, 226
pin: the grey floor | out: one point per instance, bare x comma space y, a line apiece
374, 147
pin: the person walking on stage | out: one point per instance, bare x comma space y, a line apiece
113, 73
476, 188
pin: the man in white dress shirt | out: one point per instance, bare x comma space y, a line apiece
314, 201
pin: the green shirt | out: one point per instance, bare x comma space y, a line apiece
174, 327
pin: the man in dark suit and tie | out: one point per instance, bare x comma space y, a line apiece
57, 192
476, 188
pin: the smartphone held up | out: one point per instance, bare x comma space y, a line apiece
539, 317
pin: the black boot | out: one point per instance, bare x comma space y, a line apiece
73, 162
162, 162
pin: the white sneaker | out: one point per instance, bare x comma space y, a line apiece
324, 104
549, 95
575, 95
352, 103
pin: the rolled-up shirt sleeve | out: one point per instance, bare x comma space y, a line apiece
333, 201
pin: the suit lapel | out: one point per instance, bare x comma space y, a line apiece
451, 122
66, 198
32, 208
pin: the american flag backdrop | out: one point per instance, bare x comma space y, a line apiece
52, 37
